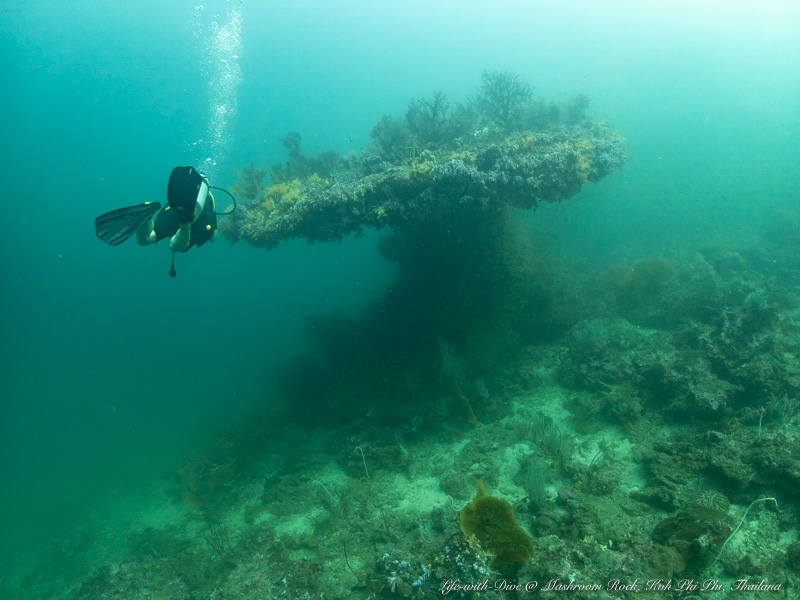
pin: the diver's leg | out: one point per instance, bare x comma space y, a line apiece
145, 234
180, 241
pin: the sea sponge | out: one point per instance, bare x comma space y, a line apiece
730, 264
648, 276
491, 520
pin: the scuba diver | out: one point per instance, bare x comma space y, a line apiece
189, 219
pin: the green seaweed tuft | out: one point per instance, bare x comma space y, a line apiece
491, 520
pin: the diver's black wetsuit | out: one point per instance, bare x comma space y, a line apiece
167, 224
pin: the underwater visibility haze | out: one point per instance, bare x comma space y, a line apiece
510, 297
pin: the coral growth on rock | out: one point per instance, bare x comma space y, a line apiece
432, 166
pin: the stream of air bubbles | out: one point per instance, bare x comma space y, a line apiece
221, 47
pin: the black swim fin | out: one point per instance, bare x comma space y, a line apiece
118, 225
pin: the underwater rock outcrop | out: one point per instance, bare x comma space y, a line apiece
444, 179
405, 180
